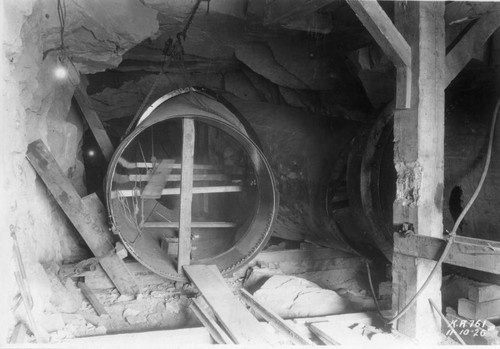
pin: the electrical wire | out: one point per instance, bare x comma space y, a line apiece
453, 232
61, 13
168, 53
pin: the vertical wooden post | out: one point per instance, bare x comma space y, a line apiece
188, 136
419, 162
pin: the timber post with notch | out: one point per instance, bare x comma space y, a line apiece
419, 149
419, 162
88, 215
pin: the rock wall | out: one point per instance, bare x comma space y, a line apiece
37, 105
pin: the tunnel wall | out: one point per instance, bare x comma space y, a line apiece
466, 141
37, 106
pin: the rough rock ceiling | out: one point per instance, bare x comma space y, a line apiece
302, 47
97, 33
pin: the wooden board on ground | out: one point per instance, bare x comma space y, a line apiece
274, 320
336, 333
98, 279
88, 219
210, 324
478, 311
91, 297
158, 180
240, 325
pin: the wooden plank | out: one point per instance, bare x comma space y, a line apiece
193, 225
369, 318
157, 180
210, 324
392, 43
274, 319
464, 252
380, 26
403, 87
483, 292
149, 165
88, 216
40, 334
240, 325
181, 338
93, 121
188, 140
478, 311
19, 334
334, 333
114, 266
98, 279
177, 177
461, 11
419, 162
87, 292
177, 191
286, 11
473, 41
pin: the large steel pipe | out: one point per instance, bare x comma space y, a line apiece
251, 152
234, 196
371, 178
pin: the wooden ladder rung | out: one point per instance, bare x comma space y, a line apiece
193, 225
177, 191
149, 165
177, 177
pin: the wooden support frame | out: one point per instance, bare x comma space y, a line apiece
465, 49
87, 215
177, 191
188, 140
465, 252
93, 121
157, 180
392, 43
419, 162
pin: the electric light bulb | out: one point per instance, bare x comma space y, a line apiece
60, 72
91, 153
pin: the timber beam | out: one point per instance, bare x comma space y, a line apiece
470, 43
477, 254
286, 11
93, 120
87, 215
419, 162
392, 43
